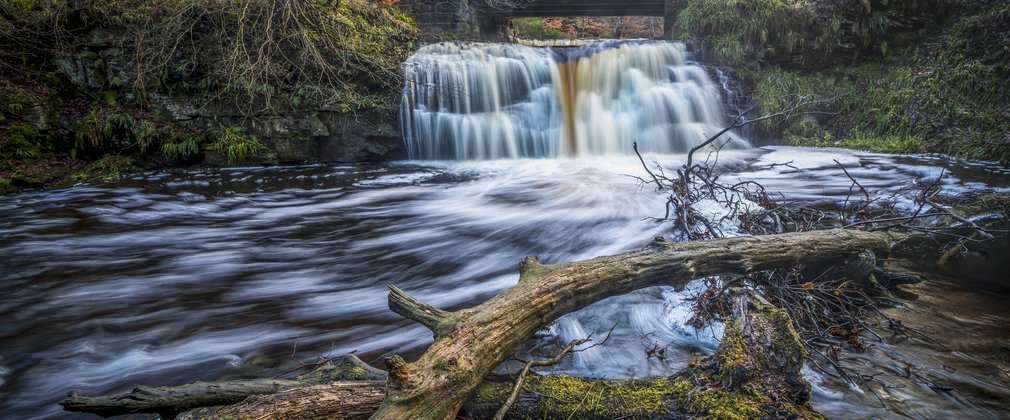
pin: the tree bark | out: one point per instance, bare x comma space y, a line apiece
171, 400
344, 400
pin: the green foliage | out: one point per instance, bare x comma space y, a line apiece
728, 50
535, 28
803, 31
18, 142
882, 143
946, 97
741, 29
777, 90
107, 168
182, 145
235, 144
104, 128
263, 56
950, 96
256, 53
89, 130
15, 101
147, 134
807, 131
35, 27
264, 53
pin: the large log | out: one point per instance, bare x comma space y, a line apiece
754, 373
470, 342
344, 400
167, 401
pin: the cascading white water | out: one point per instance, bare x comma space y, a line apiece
480, 101
498, 101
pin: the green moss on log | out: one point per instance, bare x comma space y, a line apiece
754, 373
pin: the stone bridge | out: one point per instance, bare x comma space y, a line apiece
474, 19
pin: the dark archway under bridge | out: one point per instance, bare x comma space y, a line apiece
487, 20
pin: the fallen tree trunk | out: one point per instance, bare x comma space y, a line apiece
469, 343
171, 400
754, 373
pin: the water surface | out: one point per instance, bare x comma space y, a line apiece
168, 278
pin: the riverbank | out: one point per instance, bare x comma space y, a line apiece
899, 77
91, 90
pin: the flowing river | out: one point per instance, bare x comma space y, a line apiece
169, 278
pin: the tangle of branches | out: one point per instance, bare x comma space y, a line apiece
836, 308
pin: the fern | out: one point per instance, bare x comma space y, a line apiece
234, 143
181, 146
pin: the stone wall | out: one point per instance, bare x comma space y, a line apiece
454, 19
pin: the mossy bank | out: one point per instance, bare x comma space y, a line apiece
925, 76
92, 90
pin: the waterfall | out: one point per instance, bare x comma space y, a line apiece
472, 101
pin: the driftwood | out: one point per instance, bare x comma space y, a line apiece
169, 401
469, 343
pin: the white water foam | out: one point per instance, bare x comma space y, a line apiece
502, 101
